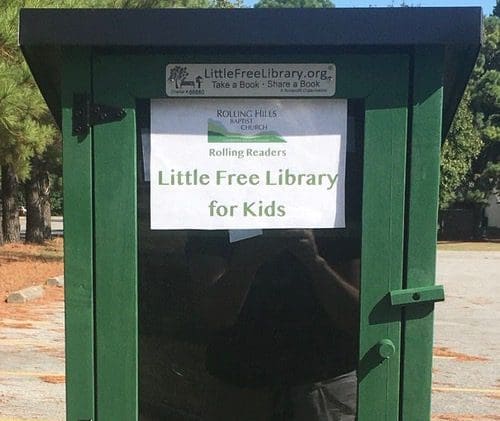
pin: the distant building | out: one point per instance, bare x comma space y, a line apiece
493, 210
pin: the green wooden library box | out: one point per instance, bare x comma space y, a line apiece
250, 204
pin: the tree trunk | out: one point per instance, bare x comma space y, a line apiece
1, 207
10, 212
37, 190
47, 214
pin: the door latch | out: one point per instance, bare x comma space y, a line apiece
411, 296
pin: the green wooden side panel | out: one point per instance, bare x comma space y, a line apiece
115, 248
383, 81
78, 238
421, 231
382, 243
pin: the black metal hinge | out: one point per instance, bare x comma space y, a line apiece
87, 114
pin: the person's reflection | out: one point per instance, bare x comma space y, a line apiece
283, 311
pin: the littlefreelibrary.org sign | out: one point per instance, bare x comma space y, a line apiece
247, 163
251, 80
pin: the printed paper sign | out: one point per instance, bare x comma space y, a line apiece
247, 163
251, 80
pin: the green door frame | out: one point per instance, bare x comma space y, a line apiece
78, 244
424, 148
101, 255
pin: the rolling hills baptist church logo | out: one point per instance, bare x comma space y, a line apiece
217, 133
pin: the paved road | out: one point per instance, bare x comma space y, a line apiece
32, 360
467, 347
56, 223
467, 323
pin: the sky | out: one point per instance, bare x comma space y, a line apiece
487, 5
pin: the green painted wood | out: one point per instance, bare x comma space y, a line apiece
421, 231
382, 242
417, 296
78, 249
115, 248
119, 80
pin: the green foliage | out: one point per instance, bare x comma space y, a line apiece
293, 3
485, 83
481, 186
462, 145
135, 4
226, 4
146, 4
56, 195
471, 152
25, 124
491, 176
26, 127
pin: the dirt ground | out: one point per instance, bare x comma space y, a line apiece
23, 265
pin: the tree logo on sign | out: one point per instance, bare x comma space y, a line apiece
178, 74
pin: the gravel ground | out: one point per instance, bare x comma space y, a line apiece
32, 360
467, 337
467, 348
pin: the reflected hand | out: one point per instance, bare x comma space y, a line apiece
302, 244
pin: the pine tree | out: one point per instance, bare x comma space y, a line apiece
293, 3
462, 145
471, 153
25, 128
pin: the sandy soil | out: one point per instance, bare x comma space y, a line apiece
23, 265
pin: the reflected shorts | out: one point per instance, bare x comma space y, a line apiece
332, 400
329, 400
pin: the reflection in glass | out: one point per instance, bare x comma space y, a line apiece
265, 328
281, 309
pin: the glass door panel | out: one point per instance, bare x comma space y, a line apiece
260, 328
